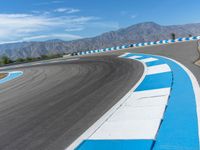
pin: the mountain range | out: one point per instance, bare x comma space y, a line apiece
142, 32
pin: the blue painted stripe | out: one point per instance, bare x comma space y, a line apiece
179, 129
166, 41
11, 76
156, 81
148, 43
154, 63
142, 57
194, 38
115, 145
187, 39
172, 41
180, 39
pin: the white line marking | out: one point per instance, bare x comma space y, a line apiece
128, 112
124, 55
148, 101
151, 93
132, 129
158, 69
148, 60
134, 57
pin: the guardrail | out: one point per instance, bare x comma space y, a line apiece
184, 39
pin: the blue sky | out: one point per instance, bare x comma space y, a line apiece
38, 20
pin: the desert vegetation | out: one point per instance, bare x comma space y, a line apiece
5, 60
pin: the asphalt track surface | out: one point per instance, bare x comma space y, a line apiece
51, 105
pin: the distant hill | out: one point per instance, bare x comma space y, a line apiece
142, 32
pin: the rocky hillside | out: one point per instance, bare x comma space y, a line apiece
143, 32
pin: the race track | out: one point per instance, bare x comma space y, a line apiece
51, 105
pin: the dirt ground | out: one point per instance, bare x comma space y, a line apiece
2, 75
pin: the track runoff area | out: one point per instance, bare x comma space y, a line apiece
159, 112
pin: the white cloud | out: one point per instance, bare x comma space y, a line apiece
40, 26
48, 3
52, 36
16, 27
57, 1
128, 14
67, 10
72, 29
133, 16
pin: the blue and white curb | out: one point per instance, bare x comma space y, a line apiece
11, 75
158, 113
169, 41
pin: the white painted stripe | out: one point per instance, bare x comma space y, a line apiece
124, 55
158, 42
176, 40
148, 101
140, 44
158, 69
148, 60
134, 57
170, 41
184, 39
138, 118
127, 113
164, 42
136, 129
123, 47
191, 38
151, 93
118, 47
